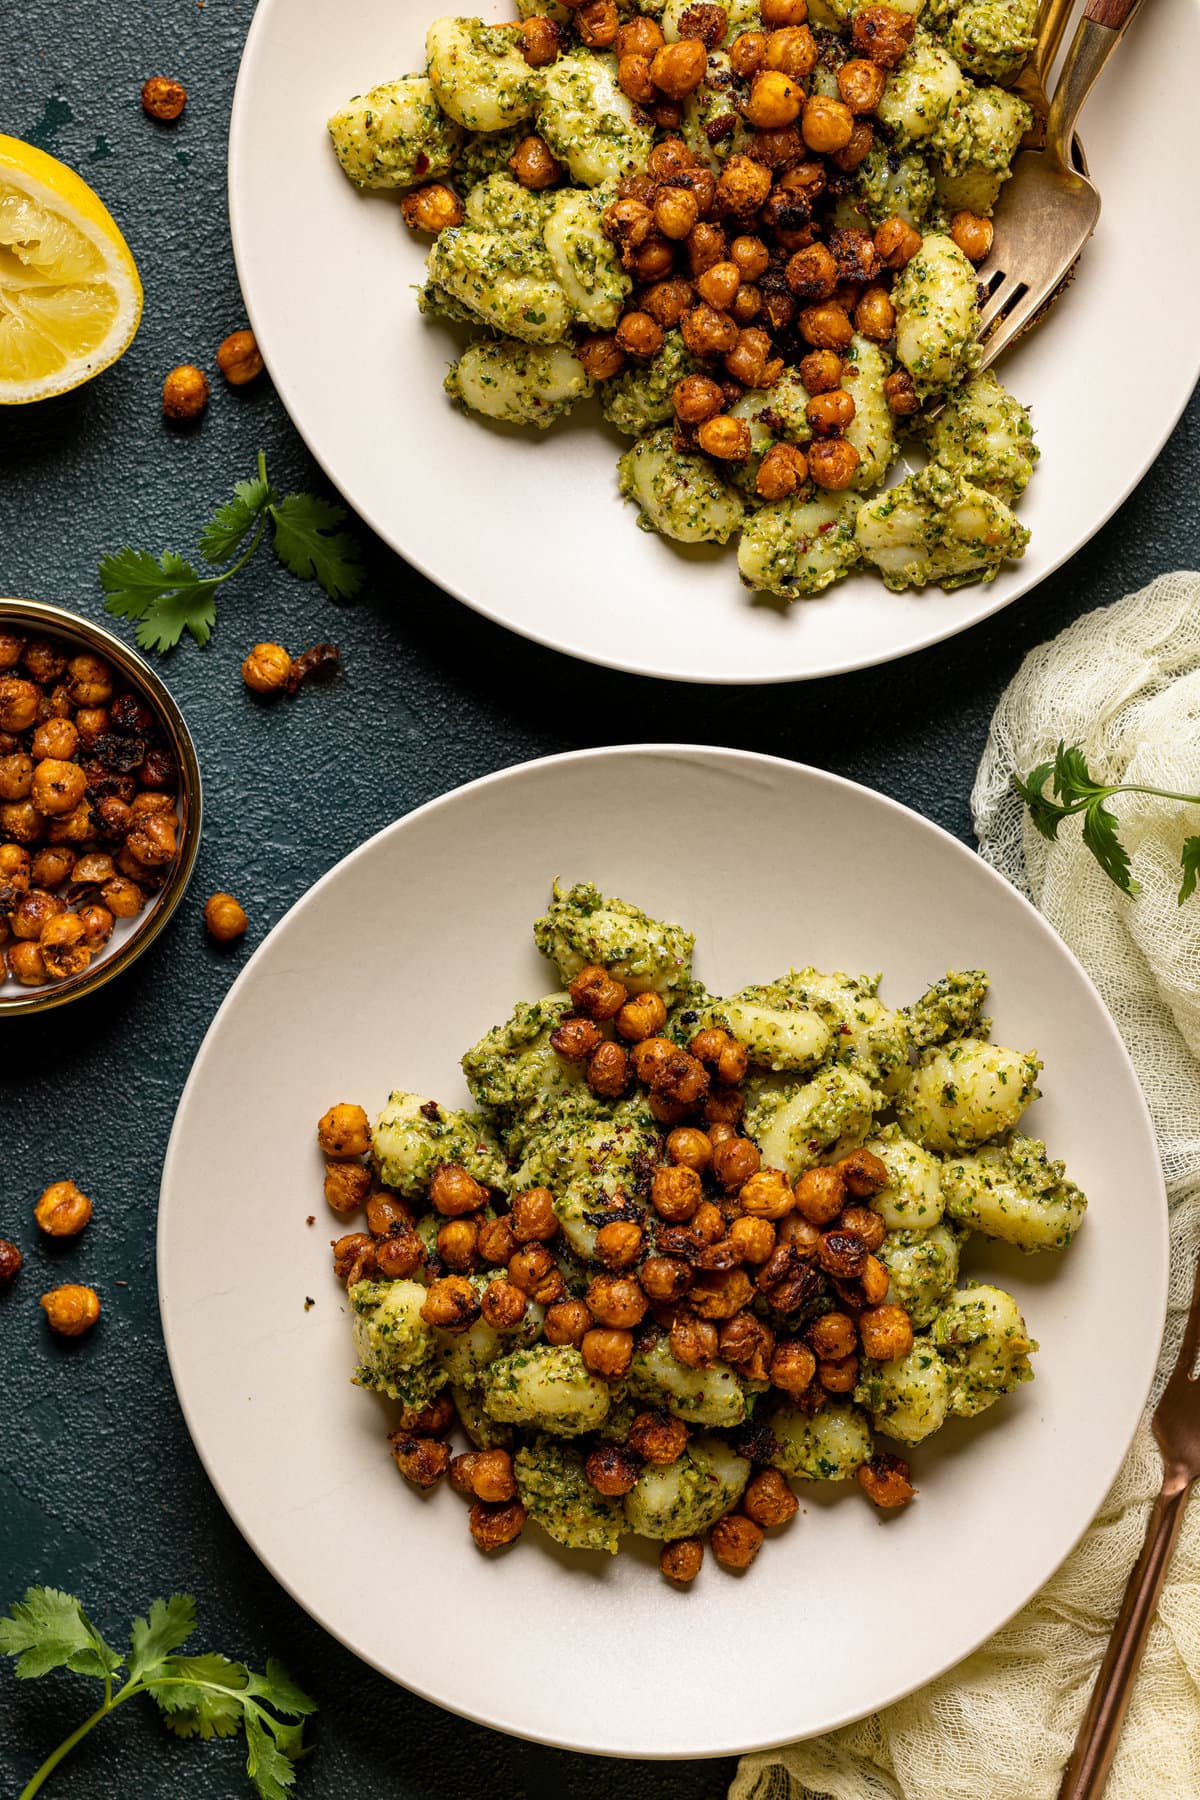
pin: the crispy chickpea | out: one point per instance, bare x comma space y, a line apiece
706, 21
535, 1272
863, 1172
125, 899
768, 1499
734, 1162
152, 839
874, 1281
676, 211
457, 1242
97, 924
826, 326
267, 669
628, 222
706, 246
726, 439
608, 1071
640, 335
668, 301
33, 912
838, 1377
598, 23
56, 738
15, 868
744, 183
658, 1438
494, 1526
861, 84
792, 51
184, 393
690, 1148
62, 1211
812, 273
619, 1245
492, 1476
575, 1039
696, 398
767, 1195
833, 463
896, 243
22, 822
693, 1342
18, 703
602, 357
540, 42
400, 1254
163, 99
114, 818
10, 1262
639, 37
825, 124
596, 994
900, 394
455, 1191
497, 1241
781, 472
820, 371
432, 208
719, 285
346, 1185
646, 1014
720, 1294
534, 164
829, 414
533, 1215
752, 1239
842, 1254
973, 234
433, 1420
71, 1309
76, 827
387, 1212
678, 69
451, 1303
793, 1368
607, 1352
875, 316
736, 1541
344, 1130
675, 1193
708, 1222
747, 53
864, 1224
421, 1460
886, 1480
664, 1279
26, 964
239, 357
883, 34
354, 1257
567, 1323
224, 918
857, 262
886, 1332
747, 1345
775, 100
16, 769
612, 1469
11, 647
747, 303
459, 1472
616, 1300
669, 159
681, 1561
856, 150
783, 12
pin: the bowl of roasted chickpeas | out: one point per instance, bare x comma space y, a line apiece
100, 806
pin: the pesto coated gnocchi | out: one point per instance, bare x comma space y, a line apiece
749, 247
688, 1246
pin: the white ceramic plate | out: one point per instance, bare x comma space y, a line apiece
529, 529
395, 962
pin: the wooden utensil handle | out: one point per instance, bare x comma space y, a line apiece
1096, 1744
1113, 13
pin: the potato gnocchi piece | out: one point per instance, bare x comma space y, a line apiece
798, 548
966, 1092
586, 1163
1012, 1191
867, 1035
985, 1346
522, 384
912, 1198
778, 1033
583, 926
514, 1072
909, 1397
991, 39
397, 1350
951, 1007
887, 182
798, 1126
986, 433
640, 397
678, 495
937, 315
712, 1396
588, 122
413, 1135
829, 1446
974, 146
872, 429
483, 1432
922, 1267
504, 278
937, 527
499, 203
687, 1496
586, 264
548, 1387
920, 92
395, 135
478, 73
554, 1489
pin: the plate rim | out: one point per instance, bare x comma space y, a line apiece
1140, 1113
240, 132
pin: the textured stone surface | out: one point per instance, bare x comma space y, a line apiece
100, 1491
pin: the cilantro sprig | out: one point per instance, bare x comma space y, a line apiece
197, 1696
1078, 791
168, 595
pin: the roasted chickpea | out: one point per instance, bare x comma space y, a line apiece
812, 273
533, 1215
15, 868
875, 316
10, 1257
900, 394
387, 1213
619, 1245
33, 912
783, 12
825, 124
18, 703
665, 1279
536, 1273
540, 42
494, 1526
114, 818
497, 1241
616, 1300
792, 51
55, 738
706, 246
973, 234
676, 212
344, 1131
124, 899
768, 1499
726, 439
854, 152
690, 1148
639, 37
681, 1561
781, 472
25, 963
354, 1257
598, 23
863, 1172
840, 1377
455, 1191
874, 1282
719, 285
833, 463
886, 1332
640, 335
720, 1294
607, 1352
346, 1185
184, 393
421, 1460
400, 1254
678, 69
534, 164
21, 821
163, 99
744, 184
608, 1071
693, 1342
747, 1345
267, 669
97, 924
575, 1039
567, 1323
11, 647
861, 84
775, 100
841, 1253
658, 1438
826, 326
602, 357
747, 53
883, 34
864, 1224
734, 1162
432, 208
492, 1476
612, 1469
669, 160
239, 357
896, 243
793, 1368
886, 1480
668, 301
457, 1242
71, 1310
76, 827
459, 1471
152, 839
16, 769
62, 1210
433, 1420
696, 398
829, 414
57, 787
675, 1193
736, 1540
766, 1195
451, 1303
596, 994
224, 918
752, 1239
646, 1014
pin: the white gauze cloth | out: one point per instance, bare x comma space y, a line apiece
1125, 683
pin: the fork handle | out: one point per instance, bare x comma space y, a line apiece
1097, 35
1096, 1745
1113, 13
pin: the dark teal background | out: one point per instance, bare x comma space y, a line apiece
100, 1491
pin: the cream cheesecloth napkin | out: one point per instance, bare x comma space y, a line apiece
1125, 683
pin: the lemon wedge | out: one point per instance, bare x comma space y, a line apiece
70, 297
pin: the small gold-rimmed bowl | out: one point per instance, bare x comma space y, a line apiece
130, 936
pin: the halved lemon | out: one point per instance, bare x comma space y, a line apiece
70, 297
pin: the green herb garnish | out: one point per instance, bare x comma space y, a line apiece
168, 595
1079, 792
197, 1696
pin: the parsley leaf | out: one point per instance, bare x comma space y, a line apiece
169, 1625
226, 530
1189, 856
50, 1630
308, 543
1100, 836
1044, 813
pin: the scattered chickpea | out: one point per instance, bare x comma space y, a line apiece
886, 1332
678, 69
781, 472
866, 1224
725, 438
454, 1190
456, 1245
658, 1438
736, 1540
432, 208
400, 1254
775, 100
863, 1172
767, 1195
638, 334
10, 1262
185, 393
533, 1215
792, 51
896, 242
619, 1245
163, 99
665, 1279
64, 952
540, 42
598, 23
344, 1131
71, 1309
497, 1241
793, 1368
681, 1561
267, 669
675, 1193
886, 1480
493, 1526
607, 1352
874, 1281
224, 918
502, 1304
719, 285
900, 394
608, 1071
354, 1257
861, 84
784, 12
883, 33
768, 1499
492, 1476
567, 1323
97, 924
239, 358
421, 1460
612, 1470
829, 414
753, 1239
693, 1342
875, 316
124, 899
602, 357
973, 234
596, 994
534, 164
734, 1161
450, 1303
62, 1210
575, 1039
26, 964
676, 211
747, 52
639, 37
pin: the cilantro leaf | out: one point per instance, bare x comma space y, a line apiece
165, 594
204, 1696
1189, 856
50, 1630
278, 1689
170, 1624
1044, 813
271, 1749
308, 543
226, 530
162, 624
1100, 836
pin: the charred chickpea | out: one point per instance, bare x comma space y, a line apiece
459, 1472
675, 1193
719, 285
734, 1162
736, 1540
77, 827
62, 1210
726, 439
833, 463
784, 12
494, 1526
387, 1213
747, 1345
619, 1245
658, 1438
616, 1300
883, 33
825, 124
678, 69
97, 924
55, 738
693, 1342
10, 1262
598, 23
638, 334
667, 301
682, 1560
567, 1323
646, 1014
670, 158
861, 84
53, 865
706, 246
433, 1420
33, 912
492, 1476
596, 994
71, 1309
863, 1172
744, 183
15, 868
540, 42
768, 1499
664, 1279
812, 273
533, 1215
575, 1039
654, 261
608, 1071
534, 163
820, 371
886, 1480
639, 37
152, 839
875, 316
973, 234
708, 1222
124, 898
344, 1131
886, 1332
16, 769
497, 1241
224, 918
696, 398
451, 1303
267, 669
607, 1351
676, 211
720, 1294
840, 1376
432, 208
775, 100
690, 1148
239, 357
747, 53
704, 20
793, 1368
22, 821
896, 243
612, 1469
26, 964
752, 1239
864, 1224
346, 1185
536, 1273
842, 1254
184, 393
874, 1281
457, 1241
421, 1460
792, 51
602, 357
11, 647
18, 703
856, 150
400, 1254
900, 394
781, 472
767, 1195
455, 1191
829, 414
163, 99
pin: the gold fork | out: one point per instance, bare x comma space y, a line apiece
1177, 1429
1052, 19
